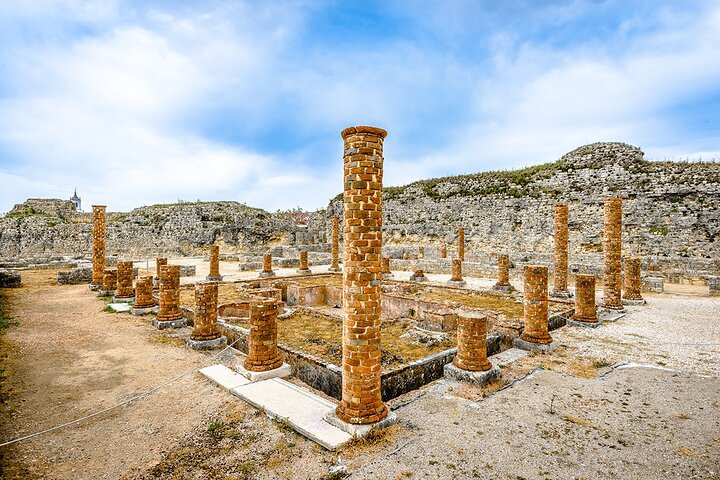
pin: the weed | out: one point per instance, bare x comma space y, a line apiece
214, 426
108, 309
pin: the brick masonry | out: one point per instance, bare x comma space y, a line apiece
536, 305
124, 280
143, 292
169, 294
461, 243
560, 272
585, 310
472, 342
303, 261
456, 270
205, 315
362, 230
633, 282
267, 263
503, 262
98, 246
214, 261
263, 353
159, 262
612, 248
109, 283
385, 265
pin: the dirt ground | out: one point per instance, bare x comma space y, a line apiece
568, 414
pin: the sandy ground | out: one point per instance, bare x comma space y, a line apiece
577, 417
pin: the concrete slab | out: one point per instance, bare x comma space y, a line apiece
145, 311
224, 377
505, 358
477, 378
120, 307
610, 315
360, 430
538, 347
282, 371
163, 324
301, 409
574, 323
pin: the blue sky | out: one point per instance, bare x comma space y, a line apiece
136, 103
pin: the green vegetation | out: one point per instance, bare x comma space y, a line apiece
659, 230
119, 218
24, 213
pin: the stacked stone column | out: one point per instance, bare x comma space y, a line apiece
144, 301
303, 262
461, 243
363, 170
585, 310
536, 308
560, 273
267, 270
124, 289
503, 282
214, 275
98, 245
170, 313
443, 251
159, 262
632, 294
334, 246
263, 354
456, 271
109, 283
612, 248
206, 333
472, 342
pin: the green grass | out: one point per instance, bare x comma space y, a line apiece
659, 230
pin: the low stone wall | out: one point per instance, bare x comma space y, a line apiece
10, 278
187, 270
75, 276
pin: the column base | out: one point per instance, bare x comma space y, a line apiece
614, 308
418, 279
359, 431
332, 269
477, 378
94, 286
106, 293
538, 347
303, 271
503, 288
123, 300
627, 301
267, 274
457, 283
145, 310
561, 294
282, 371
211, 278
206, 344
163, 324
388, 276
577, 323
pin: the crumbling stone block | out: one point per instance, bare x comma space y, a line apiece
98, 246
263, 354
75, 276
363, 168
187, 270
654, 284
10, 278
267, 270
612, 249
714, 285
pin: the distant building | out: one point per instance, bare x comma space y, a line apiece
76, 200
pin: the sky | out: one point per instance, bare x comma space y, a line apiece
144, 102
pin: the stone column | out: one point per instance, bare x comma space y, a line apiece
560, 273
418, 276
159, 262
386, 273
206, 333
585, 310
144, 301
124, 290
170, 314
214, 275
98, 245
443, 251
472, 342
109, 282
503, 282
267, 270
456, 278
461, 243
612, 248
334, 246
632, 294
263, 354
303, 263
363, 169
535, 335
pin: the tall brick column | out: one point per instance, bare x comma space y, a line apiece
456, 278
612, 248
503, 282
98, 245
560, 273
170, 313
536, 308
263, 354
443, 251
461, 243
144, 301
206, 333
303, 263
109, 283
267, 270
632, 294
334, 246
124, 281
386, 273
363, 169
214, 275
585, 310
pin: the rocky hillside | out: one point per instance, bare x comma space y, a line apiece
670, 208
173, 229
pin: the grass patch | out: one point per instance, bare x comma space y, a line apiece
655, 230
108, 309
